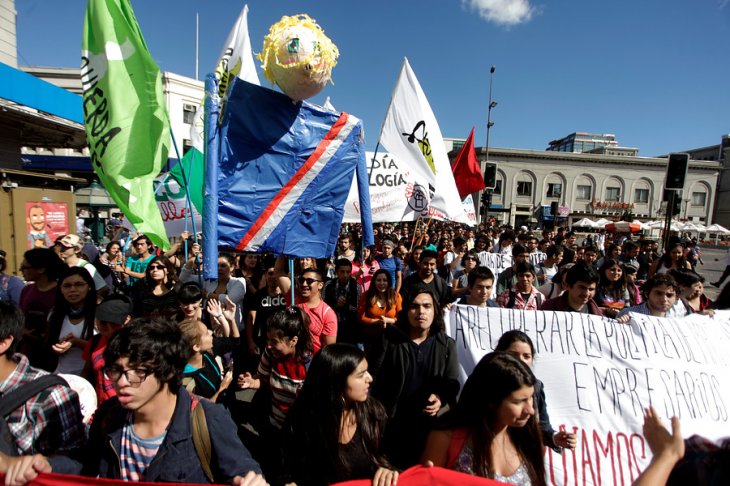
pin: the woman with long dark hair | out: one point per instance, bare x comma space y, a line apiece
494, 430
379, 307
613, 292
159, 298
71, 323
519, 345
333, 431
673, 259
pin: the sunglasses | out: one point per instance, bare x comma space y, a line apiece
157, 267
308, 281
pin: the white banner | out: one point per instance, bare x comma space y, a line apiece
396, 194
170, 200
599, 376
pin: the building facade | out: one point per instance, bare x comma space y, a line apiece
592, 185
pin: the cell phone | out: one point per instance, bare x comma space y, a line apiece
229, 365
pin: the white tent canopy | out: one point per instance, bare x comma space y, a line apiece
585, 222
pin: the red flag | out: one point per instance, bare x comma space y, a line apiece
467, 174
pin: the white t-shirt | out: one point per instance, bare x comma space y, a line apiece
72, 360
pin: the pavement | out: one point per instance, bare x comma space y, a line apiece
714, 259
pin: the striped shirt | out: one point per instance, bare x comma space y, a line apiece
285, 378
49, 422
137, 453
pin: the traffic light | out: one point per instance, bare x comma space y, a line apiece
677, 208
676, 171
490, 175
486, 198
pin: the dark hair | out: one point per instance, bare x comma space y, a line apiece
342, 262
62, 308
169, 268
628, 246
686, 277
615, 289
553, 250
507, 235
112, 243
229, 258
312, 270
12, 323
656, 281
189, 293
46, 259
429, 254
582, 272
289, 323
518, 250
513, 336
479, 273
666, 259
591, 248
316, 417
142, 237
438, 324
3, 262
568, 255
524, 267
495, 377
154, 343
372, 293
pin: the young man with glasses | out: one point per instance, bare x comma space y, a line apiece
322, 319
145, 432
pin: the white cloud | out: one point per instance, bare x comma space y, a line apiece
503, 12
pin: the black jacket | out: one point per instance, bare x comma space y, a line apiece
389, 363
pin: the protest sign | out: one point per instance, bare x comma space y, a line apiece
397, 193
599, 375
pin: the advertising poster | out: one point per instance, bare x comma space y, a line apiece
45, 222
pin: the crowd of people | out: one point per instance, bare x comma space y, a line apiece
356, 378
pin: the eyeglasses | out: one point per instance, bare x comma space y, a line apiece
134, 377
308, 281
70, 285
157, 267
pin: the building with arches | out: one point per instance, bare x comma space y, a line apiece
593, 185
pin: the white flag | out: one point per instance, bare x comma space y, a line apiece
410, 132
236, 58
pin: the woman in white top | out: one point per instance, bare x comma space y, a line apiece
226, 286
71, 323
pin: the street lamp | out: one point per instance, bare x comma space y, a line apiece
490, 124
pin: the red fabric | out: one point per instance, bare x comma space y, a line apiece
54, 479
431, 476
467, 174
415, 476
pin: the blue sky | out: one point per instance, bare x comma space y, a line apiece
655, 73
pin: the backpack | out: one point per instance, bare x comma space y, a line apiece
201, 436
12, 400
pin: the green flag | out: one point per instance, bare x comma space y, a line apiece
192, 163
127, 125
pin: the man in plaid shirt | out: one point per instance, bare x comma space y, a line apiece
49, 422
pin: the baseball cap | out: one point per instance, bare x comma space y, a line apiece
630, 267
114, 309
72, 241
